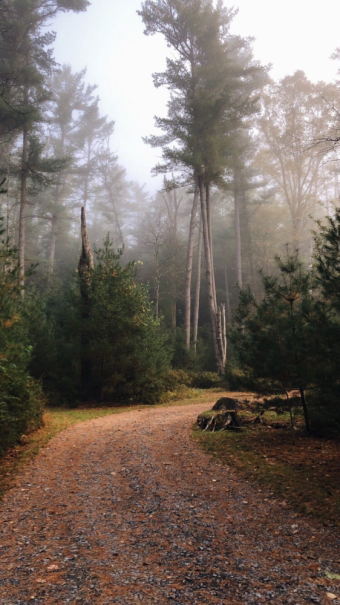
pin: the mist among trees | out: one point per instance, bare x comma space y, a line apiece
230, 272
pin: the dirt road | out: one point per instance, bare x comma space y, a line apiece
127, 509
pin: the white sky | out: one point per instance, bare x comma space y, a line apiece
109, 40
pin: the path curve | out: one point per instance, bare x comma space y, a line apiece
127, 509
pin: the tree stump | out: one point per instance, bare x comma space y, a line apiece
225, 404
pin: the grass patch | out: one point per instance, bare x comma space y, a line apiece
60, 419
305, 476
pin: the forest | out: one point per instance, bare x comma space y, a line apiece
169, 353
228, 276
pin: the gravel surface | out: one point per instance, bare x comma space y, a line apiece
127, 509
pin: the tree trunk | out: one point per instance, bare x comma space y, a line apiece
157, 297
188, 279
227, 295
292, 424
305, 410
247, 235
52, 247
207, 190
221, 337
54, 225
85, 268
174, 315
86, 182
296, 234
118, 225
238, 229
336, 180
23, 202
86, 263
198, 285
297, 363
209, 275
224, 335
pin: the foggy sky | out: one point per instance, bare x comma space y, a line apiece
109, 40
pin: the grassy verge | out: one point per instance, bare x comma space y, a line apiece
59, 419
305, 476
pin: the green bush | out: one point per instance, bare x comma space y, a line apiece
126, 344
175, 378
20, 395
21, 405
122, 342
205, 380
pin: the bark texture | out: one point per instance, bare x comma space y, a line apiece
85, 268
23, 203
217, 315
188, 279
238, 228
197, 287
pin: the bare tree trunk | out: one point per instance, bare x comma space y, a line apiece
227, 296
296, 233
174, 315
118, 225
336, 180
198, 285
207, 189
209, 274
247, 234
120, 233
157, 296
85, 269
238, 229
10, 222
224, 335
86, 262
221, 336
305, 410
188, 279
297, 364
23, 202
311, 241
86, 184
52, 247
292, 424
54, 224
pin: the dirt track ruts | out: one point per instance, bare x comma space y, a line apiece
127, 509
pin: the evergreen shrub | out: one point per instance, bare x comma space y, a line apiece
21, 402
205, 380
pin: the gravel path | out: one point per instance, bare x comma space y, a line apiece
127, 509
